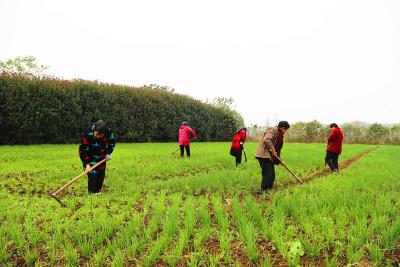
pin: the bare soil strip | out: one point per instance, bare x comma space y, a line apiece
238, 248
279, 260
316, 175
392, 257
187, 173
324, 172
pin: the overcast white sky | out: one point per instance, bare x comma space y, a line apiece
333, 61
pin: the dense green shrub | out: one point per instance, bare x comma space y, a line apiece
51, 110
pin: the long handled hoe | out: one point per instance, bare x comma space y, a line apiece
175, 151
289, 170
245, 156
54, 195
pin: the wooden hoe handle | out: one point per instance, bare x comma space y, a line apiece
175, 151
289, 170
76, 178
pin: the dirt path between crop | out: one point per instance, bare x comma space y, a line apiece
307, 260
314, 176
325, 172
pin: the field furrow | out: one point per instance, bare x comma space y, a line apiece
159, 210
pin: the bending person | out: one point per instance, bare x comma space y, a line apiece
269, 148
97, 143
237, 145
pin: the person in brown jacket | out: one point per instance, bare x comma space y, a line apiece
270, 148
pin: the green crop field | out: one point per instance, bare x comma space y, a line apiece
159, 210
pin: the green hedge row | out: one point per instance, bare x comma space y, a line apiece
38, 110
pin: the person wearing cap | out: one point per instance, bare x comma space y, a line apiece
237, 145
185, 133
268, 152
97, 143
334, 147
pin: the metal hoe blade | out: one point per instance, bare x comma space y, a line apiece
58, 200
73, 181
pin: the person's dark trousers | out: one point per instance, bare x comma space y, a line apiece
95, 181
239, 159
268, 173
238, 155
332, 159
187, 148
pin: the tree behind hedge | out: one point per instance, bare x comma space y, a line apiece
49, 110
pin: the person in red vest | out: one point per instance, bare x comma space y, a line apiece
334, 148
237, 145
185, 133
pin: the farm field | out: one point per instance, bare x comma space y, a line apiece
159, 210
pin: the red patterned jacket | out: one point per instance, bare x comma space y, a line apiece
185, 133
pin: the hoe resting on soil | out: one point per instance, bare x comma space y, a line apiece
54, 195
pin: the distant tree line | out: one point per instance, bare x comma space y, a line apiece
316, 132
50, 110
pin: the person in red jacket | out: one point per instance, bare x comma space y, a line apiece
334, 148
237, 145
185, 133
